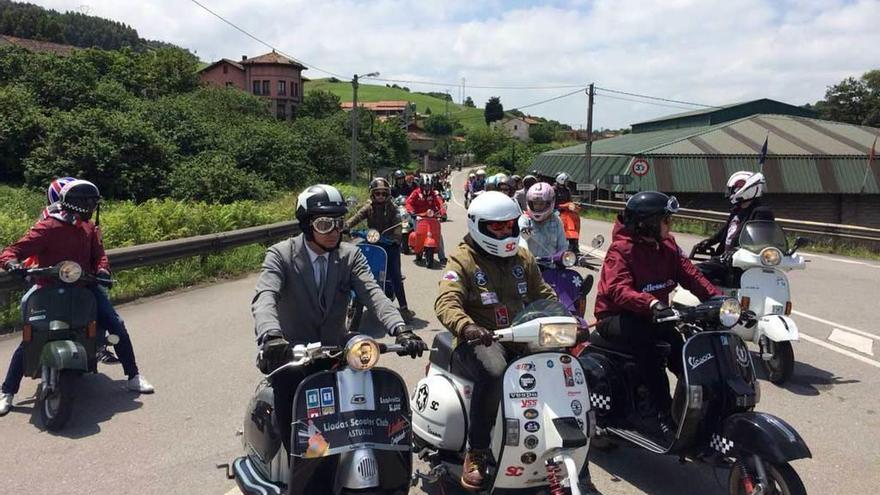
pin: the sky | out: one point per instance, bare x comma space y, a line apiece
698, 51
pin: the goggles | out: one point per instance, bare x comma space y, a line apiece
672, 205
325, 225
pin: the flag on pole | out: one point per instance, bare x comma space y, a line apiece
871, 156
763, 154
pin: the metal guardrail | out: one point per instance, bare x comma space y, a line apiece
854, 233
155, 253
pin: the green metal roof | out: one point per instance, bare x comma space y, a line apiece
804, 156
717, 115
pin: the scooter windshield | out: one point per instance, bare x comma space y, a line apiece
760, 234
540, 309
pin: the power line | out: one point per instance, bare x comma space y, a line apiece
474, 86
548, 100
643, 101
258, 40
656, 98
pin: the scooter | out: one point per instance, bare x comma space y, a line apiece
351, 430
60, 337
373, 248
425, 240
569, 285
756, 275
407, 223
713, 405
541, 434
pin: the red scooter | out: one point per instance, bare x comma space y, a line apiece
425, 240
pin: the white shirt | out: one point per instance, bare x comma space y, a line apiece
313, 257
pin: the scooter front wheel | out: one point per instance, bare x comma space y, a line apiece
782, 479
780, 366
429, 258
57, 404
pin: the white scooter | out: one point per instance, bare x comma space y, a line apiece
544, 423
763, 259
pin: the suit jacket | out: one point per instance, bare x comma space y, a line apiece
287, 296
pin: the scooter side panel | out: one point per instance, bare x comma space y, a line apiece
767, 290
538, 389
439, 413
377, 258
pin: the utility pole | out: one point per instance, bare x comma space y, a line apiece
354, 123
589, 146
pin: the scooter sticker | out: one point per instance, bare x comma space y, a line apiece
742, 356
451, 276
422, 397
579, 377
522, 288
518, 271
530, 442
527, 381
569, 376
514, 471
528, 458
480, 278
501, 318
550, 363
312, 398
512, 395
328, 401
529, 366
530, 413
565, 359
532, 426
576, 407
529, 403
489, 298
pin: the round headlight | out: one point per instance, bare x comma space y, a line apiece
771, 256
373, 236
569, 259
69, 272
361, 352
729, 313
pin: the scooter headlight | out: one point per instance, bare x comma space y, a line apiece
69, 272
569, 259
361, 352
557, 334
373, 236
771, 256
730, 312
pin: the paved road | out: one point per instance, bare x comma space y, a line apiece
196, 346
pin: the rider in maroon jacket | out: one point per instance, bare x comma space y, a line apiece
643, 265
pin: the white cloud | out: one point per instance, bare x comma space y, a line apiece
714, 52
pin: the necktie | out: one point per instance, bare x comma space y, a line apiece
322, 276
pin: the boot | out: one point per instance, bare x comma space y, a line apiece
474, 469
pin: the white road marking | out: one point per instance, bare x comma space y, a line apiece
838, 350
233, 491
853, 341
837, 325
840, 260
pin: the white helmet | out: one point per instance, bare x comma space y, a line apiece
494, 206
471, 176
562, 179
481, 172
745, 186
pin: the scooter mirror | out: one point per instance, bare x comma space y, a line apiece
351, 201
597, 241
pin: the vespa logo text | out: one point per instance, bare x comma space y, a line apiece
696, 362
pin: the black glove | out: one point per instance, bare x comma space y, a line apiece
14, 267
274, 352
105, 279
475, 332
662, 310
749, 319
412, 343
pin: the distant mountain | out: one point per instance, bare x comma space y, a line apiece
26, 20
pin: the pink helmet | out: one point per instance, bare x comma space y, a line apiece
540, 192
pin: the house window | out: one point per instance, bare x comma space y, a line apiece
282, 87
225, 69
515, 127
281, 109
295, 88
266, 88
256, 87
228, 84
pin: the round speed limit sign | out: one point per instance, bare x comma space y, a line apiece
640, 167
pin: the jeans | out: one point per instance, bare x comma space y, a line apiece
107, 318
641, 335
394, 274
485, 366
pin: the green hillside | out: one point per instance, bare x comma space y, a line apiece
470, 118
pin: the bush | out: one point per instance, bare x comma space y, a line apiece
214, 178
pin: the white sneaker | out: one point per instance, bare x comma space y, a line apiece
5, 404
140, 384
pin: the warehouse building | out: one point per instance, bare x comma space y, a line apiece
816, 169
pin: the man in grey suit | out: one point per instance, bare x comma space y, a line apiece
303, 292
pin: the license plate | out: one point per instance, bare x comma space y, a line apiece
777, 309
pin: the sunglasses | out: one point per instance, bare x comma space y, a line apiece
325, 225
380, 194
500, 224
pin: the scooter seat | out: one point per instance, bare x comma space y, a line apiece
612, 345
441, 354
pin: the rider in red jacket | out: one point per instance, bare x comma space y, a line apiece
643, 265
423, 199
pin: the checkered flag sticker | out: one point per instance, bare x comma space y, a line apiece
721, 444
599, 401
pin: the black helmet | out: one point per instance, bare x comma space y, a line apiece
398, 174
645, 210
505, 180
529, 181
80, 196
319, 200
379, 184
426, 182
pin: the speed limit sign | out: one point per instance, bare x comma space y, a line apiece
640, 167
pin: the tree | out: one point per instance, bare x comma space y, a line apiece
469, 102
855, 101
320, 104
483, 142
542, 133
439, 125
21, 125
427, 110
494, 110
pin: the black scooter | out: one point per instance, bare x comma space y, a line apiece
713, 404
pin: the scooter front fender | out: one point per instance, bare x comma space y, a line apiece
64, 355
777, 328
762, 434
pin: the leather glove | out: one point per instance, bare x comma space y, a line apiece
474, 332
413, 345
14, 266
274, 352
662, 310
105, 278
